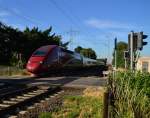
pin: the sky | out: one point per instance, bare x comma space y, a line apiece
88, 23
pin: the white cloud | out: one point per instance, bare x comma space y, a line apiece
106, 24
4, 13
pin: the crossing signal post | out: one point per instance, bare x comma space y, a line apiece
140, 41
134, 37
135, 43
131, 49
126, 57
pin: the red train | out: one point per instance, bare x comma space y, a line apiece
53, 56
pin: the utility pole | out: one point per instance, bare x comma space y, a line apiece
115, 53
72, 33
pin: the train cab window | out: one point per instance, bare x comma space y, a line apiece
39, 53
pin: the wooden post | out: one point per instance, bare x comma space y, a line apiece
105, 102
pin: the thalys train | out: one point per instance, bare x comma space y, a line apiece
52, 56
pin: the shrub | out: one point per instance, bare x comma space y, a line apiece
130, 94
45, 115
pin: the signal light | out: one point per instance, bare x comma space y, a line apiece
126, 55
140, 42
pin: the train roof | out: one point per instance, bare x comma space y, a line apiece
47, 47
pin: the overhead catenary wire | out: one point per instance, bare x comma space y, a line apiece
74, 19
68, 17
71, 18
26, 18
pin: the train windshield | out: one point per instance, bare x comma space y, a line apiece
39, 53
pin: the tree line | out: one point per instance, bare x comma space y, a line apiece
87, 52
121, 47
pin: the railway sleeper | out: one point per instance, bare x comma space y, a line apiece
33, 93
13, 116
24, 114
26, 99
28, 95
17, 99
4, 105
38, 90
9, 102
47, 104
22, 97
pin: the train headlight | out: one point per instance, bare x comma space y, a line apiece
41, 62
29, 62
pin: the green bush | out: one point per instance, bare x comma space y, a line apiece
45, 115
15, 61
131, 95
11, 71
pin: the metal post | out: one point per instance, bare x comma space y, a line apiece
131, 50
115, 59
115, 53
105, 100
136, 58
125, 63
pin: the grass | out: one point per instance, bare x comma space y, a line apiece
131, 95
86, 106
11, 71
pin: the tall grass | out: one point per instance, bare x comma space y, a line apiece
77, 107
130, 95
10, 71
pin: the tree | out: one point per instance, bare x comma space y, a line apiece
65, 45
78, 49
87, 52
121, 47
36, 38
14, 42
10, 39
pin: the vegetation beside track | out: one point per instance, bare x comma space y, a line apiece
12, 71
86, 106
130, 95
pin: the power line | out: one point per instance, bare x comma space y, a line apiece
76, 18
72, 34
72, 18
19, 15
68, 17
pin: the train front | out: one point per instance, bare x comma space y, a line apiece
37, 61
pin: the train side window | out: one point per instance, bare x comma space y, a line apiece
53, 56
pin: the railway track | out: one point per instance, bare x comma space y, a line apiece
7, 89
77, 71
14, 101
